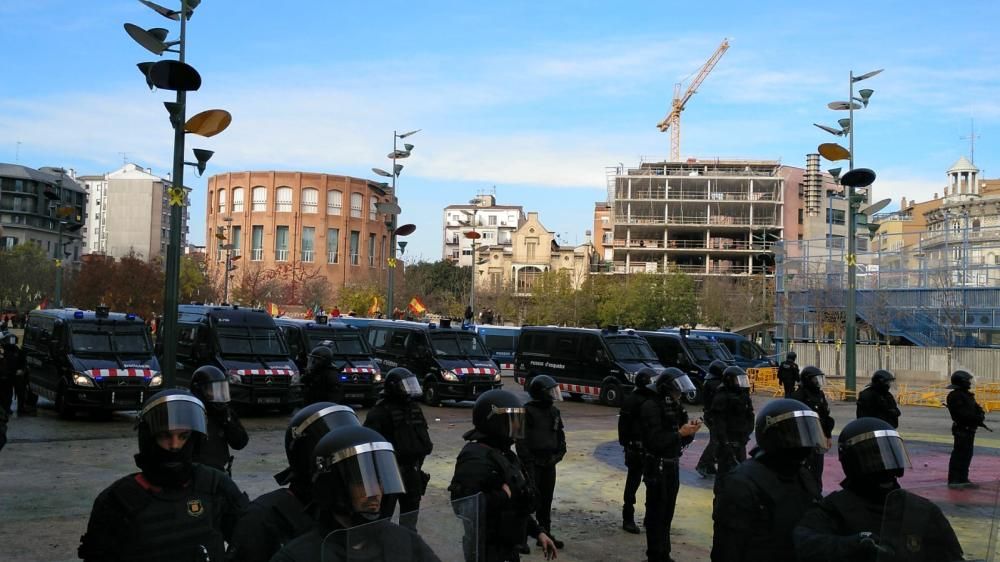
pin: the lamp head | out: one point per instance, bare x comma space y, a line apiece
835, 172
858, 177
397, 169
402, 246
865, 95
866, 75
202, 157
845, 124
382, 172
872, 230
408, 147
144, 69
404, 135
176, 111
831, 130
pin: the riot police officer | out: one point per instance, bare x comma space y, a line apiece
398, 417
731, 416
487, 465
665, 431
175, 509
224, 430
13, 380
966, 416
761, 500
630, 438
355, 468
315, 380
543, 446
877, 402
275, 518
707, 461
810, 393
788, 373
846, 525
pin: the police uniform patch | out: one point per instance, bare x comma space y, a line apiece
914, 543
195, 508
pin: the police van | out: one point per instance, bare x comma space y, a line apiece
93, 360
689, 353
246, 345
356, 377
502, 343
598, 363
451, 363
746, 352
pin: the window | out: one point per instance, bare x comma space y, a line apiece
372, 210
308, 241
488, 235
492, 220
235, 240
334, 202
839, 216
259, 198
256, 243
382, 254
355, 242
237, 199
222, 200
836, 242
800, 216
310, 200
332, 245
356, 203
281, 243
283, 200
371, 250
530, 245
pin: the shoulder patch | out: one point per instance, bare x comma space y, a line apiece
195, 508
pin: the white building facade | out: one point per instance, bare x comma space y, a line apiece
494, 223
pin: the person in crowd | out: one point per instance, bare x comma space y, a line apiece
630, 438
966, 417
224, 430
543, 446
810, 393
877, 401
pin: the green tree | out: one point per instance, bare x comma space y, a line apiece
648, 301
195, 285
359, 297
28, 277
441, 285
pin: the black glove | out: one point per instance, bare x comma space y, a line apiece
868, 542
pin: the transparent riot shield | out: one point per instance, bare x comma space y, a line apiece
449, 532
940, 524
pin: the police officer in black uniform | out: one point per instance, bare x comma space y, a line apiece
13, 380
846, 525
210, 385
665, 431
810, 393
731, 416
316, 380
277, 517
707, 461
966, 416
355, 468
760, 502
175, 509
788, 373
398, 417
487, 465
630, 438
543, 446
877, 401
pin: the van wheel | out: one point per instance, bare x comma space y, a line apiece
431, 396
611, 395
64, 410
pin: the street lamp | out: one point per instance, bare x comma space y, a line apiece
853, 179
396, 154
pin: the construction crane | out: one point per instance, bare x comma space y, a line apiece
673, 119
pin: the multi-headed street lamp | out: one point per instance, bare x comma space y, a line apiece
393, 210
180, 77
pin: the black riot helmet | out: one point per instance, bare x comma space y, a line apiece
961, 379
882, 379
167, 411
812, 378
544, 388
868, 446
305, 429
643, 377
499, 414
320, 357
353, 467
715, 370
735, 378
210, 385
788, 424
673, 380
791, 356
401, 383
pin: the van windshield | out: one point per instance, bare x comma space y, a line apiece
250, 340
342, 342
457, 344
630, 349
109, 338
703, 351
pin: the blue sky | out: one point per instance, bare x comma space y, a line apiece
535, 98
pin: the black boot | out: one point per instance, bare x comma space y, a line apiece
628, 521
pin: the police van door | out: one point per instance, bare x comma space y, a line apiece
569, 359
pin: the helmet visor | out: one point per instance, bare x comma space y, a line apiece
368, 469
555, 392
743, 381
684, 384
799, 428
217, 391
174, 412
411, 386
878, 451
510, 421
817, 381
324, 421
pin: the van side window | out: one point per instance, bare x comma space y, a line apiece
591, 345
746, 350
294, 347
535, 343
671, 348
185, 339
397, 342
566, 345
376, 337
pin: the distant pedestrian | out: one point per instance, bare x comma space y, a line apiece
788, 374
877, 401
966, 416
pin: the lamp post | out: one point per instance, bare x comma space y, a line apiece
851, 180
396, 154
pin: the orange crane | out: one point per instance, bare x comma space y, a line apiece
673, 119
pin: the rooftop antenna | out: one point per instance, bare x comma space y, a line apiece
972, 139
124, 158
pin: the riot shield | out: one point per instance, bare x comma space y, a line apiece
940, 524
449, 532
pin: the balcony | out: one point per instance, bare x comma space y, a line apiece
355, 259
307, 256
257, 254
281, 255
332, 257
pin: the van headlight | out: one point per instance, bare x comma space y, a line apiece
234, 377
156, 380
80, 379
630, 377
378, 376
296, 378
496, 377
449, 376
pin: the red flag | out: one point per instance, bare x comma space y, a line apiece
416, 306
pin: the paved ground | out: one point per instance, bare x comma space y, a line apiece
51, 470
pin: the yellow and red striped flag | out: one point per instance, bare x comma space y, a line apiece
272, 309
416, 306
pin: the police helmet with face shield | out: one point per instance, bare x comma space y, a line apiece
321, 356
961, 379
210, 385
788, 424
352, 465
499, 414
402, 383
735, 378
882, 379
171, 410
792, 356
869, 446
715, 370
673, 380
812, 378
643, 377
174, 410
544, 388
305, 429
